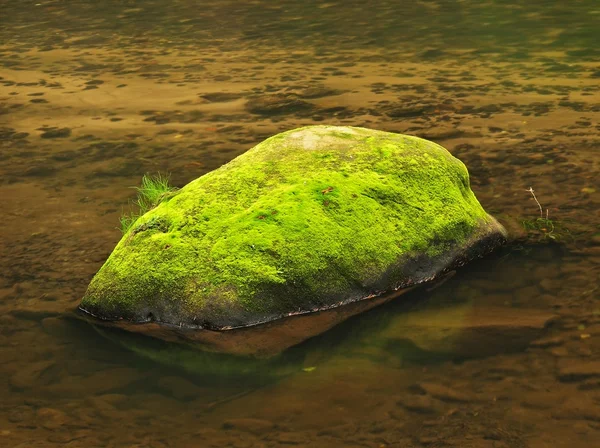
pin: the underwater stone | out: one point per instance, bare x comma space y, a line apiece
313, 219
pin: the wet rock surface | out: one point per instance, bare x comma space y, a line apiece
577, 370
251, 425
277, 104
56, 133
30, 375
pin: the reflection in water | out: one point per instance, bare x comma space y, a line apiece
95, 94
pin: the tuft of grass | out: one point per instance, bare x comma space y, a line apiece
126, 221
543, 227
153, 190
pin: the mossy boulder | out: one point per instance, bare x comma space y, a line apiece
311, 219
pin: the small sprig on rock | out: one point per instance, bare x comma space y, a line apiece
154, 190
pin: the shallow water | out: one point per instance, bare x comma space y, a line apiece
506, 353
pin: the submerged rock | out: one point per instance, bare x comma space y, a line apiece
314, 219
277, 104
464, 331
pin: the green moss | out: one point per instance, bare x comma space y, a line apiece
304, 220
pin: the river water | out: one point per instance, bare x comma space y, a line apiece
506, 353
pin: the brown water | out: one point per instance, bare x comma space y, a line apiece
93, 94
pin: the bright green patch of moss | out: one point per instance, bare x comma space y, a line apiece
304, 220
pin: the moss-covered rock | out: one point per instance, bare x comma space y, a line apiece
310, 219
